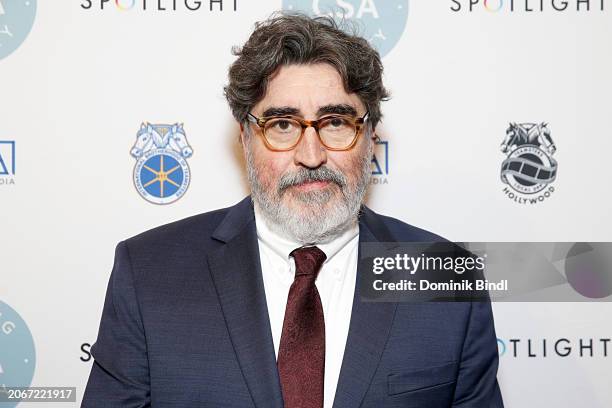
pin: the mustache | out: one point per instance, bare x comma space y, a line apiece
306, 175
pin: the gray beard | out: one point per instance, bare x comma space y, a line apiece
313, 225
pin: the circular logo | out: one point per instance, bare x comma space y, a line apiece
527, 165
161, 176
16, 21
383, 21
17, 355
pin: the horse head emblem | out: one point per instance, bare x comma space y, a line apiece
537, 135
147, 138
177, 141
150, 137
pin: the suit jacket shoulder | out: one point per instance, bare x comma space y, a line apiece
185, 242
398, 230
200, 225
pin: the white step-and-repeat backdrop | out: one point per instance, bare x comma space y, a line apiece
79, 79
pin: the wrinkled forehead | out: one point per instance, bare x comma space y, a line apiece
307, 88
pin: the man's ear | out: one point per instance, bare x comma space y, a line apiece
244, 139
373, 136
242, 135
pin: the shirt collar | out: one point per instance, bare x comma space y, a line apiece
283, 246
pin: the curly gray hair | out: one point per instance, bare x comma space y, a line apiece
286, 39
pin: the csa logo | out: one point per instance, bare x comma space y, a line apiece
529, 167
384, 21
7, 162
17, 354
16, 21
161, 173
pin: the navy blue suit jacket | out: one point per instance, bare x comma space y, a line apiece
185, 324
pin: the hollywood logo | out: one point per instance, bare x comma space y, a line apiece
529, 168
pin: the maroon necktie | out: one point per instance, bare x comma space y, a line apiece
301, 354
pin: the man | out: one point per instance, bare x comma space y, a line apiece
255, 305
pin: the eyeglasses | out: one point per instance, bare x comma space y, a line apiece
283, 133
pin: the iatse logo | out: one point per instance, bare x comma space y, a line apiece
527, 6
160, 5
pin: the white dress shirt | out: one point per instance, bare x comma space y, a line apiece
335, 283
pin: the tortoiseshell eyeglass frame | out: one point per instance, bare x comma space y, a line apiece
357, 122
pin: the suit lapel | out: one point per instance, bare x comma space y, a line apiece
369, 328
236, 273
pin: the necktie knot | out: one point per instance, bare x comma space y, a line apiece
308, 261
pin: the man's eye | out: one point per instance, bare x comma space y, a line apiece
337, 122
283, 125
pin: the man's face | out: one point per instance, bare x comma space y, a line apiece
308, 184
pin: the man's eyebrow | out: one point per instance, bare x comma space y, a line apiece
340, 109
335, 109
280, 111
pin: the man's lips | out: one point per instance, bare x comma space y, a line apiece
312, 185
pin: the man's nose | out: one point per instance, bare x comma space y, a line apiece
310, 152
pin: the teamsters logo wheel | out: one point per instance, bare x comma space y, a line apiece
161, 173
161, 177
